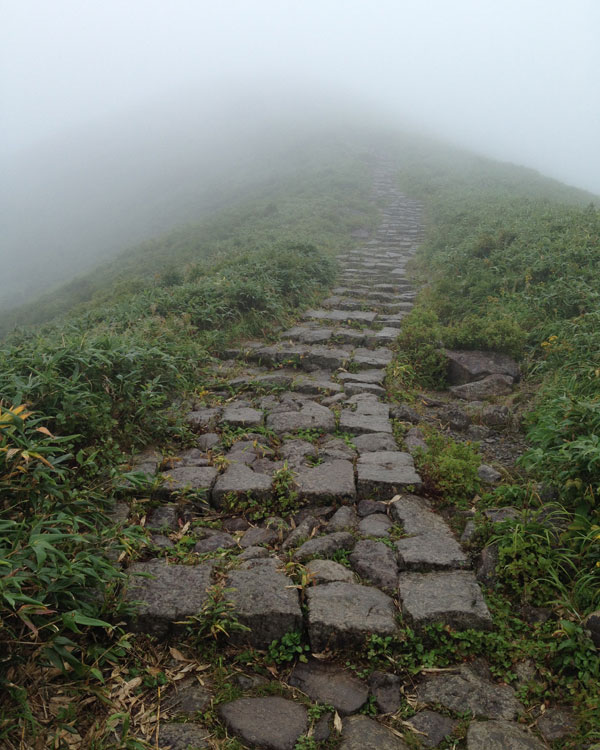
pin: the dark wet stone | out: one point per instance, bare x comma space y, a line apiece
433, 725
331, 685
324, 546
342, 615
557, 723
265, 601
369, 507
449, 597
272, 723
464, 690
183, 736
235, 524
362, 733
213, 542
165, 517
387, 691
173, 593
343, 519
255, 536
301, 533
500, 735
375, 562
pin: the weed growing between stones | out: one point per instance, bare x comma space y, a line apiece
287, 649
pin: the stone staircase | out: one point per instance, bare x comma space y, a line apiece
311, 409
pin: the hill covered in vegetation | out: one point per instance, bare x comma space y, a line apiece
102, 364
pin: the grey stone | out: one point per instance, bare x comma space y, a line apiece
240, 480
369, 507
375, 562
256, 536
494, 415
272, 563
336, 448
165, 517
295, 452
342, 615
302, 532
405, 413
173, 593
370, 358
466, 366
264, 601
147, 462
343, 519
500, 735
464, 690
182, 736
386, 688
161, 541
352, 389
235, 524
557, 723
468, 532
119, 513
272, 723
317, 384
414, 440
430, 552
433, 725
493, 385
308, 335
375, 524
200, 419
322, 546
331, 480
311, 416
362, 733
242, 416
329, 571
323, 357
416, 516
488, 474
592, 625
186, 697
383, 441
358, 424
192, 478
376, 376
207, 441
498, 515
330, 684
455, 418
382, 474
250, 681
487, 563
450, 597
219, 540
341, 315
254, 553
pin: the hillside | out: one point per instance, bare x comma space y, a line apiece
256, 413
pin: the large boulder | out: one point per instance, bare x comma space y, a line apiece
467, 366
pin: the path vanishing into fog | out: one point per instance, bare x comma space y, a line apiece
364, 552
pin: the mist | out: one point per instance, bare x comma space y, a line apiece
123, 119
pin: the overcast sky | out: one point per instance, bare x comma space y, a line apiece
516, 79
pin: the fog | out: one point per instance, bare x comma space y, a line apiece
124, 117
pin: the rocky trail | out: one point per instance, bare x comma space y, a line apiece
348, 546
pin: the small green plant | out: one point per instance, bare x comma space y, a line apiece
342, 556
304, 742
284, 489
287, 648
216, 619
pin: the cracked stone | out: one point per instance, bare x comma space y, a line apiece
382, 474
331, 480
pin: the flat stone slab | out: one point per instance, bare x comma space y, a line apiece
433, 725
330, 684
182, 736
239, 480
308, 335
200, 419
366, 376
310, 416
492, 385
342, 615
375, 524
368, 358
272, 723
501, 735
430, 552
213, 542
265, 601
324, 546
344, 519
174, 593
383, 474
329, 571
376, 563
359, 424
319, 484
194, 478
353, 389
464, 690
387, 690
466, 366
314, 384
341, 315
375, 441
242, 416
362, 733
450, 597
